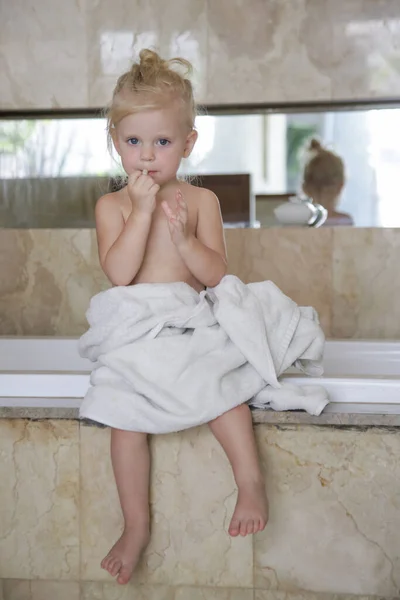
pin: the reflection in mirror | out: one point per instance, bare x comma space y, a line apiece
260, 165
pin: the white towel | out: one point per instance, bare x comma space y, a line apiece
168, 358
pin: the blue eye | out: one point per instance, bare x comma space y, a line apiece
133, 141
163, 142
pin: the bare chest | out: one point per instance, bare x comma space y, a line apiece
160, 250
159, 243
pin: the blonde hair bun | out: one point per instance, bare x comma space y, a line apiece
151, 83
149, 58
151, 67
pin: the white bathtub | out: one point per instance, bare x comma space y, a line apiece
360, 376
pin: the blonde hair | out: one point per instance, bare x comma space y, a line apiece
152, 83
323, 168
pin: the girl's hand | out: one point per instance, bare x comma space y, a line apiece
177, 220
142, 192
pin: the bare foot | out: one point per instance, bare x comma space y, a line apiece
125, 554
251, 511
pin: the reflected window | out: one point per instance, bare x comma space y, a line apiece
54, 148
52, 170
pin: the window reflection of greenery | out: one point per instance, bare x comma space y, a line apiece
14, 135
43, 148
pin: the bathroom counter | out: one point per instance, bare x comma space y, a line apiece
269, 417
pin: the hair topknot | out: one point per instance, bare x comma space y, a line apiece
323, 168
151, 66
315, 145
151, 83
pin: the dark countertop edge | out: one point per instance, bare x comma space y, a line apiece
266, 417
213, 108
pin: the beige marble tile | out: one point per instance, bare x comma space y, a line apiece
366, 283
250, 51
57, 272
15, 589
213, 594
193, 496
298, 261
47, 277
355, 44
256, 53
44, 64
237, 257
335, 514
14, 279
303, 50
112, 591
105, 591
117, 33
14, 251
39, 532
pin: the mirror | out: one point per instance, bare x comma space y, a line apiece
53, 169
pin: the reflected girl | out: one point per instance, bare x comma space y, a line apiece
323, 182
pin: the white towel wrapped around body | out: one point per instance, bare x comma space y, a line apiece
168, 358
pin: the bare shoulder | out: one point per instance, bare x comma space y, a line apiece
208, 206
109, 204
201, 197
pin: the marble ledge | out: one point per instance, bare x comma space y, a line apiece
260, 417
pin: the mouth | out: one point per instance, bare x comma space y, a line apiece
146, 172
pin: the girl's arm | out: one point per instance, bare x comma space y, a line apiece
121, 245
204, 253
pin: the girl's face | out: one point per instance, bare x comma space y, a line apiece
155, 140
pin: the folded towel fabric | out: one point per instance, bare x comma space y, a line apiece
167, 358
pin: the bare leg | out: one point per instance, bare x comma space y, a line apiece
234, 431
130, 457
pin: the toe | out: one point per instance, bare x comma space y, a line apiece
115, 567
109, 564
124, 575
257, 525
234, 528
105, 562
250, 526
243, 528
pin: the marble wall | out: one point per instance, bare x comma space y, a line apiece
47, 277
333, 529
69, 54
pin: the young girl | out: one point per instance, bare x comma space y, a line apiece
158, 230
323, 181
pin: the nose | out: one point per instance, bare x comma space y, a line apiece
147, 154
